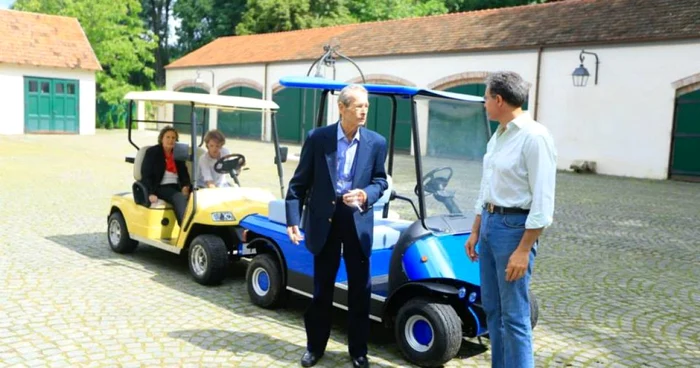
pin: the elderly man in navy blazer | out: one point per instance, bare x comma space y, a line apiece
339, 177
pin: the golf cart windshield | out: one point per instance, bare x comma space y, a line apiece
440, 173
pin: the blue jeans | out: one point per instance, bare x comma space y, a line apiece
507, 304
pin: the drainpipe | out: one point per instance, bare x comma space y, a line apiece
537, 82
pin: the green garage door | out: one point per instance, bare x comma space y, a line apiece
379, 120
51, 105
685, 149
297, 112
442, 121
181, 114
241, 124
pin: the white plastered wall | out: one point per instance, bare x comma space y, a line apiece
624, 123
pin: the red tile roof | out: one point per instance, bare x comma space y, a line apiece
44, 40
561, 23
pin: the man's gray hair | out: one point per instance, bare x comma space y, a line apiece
510, 85
345, 96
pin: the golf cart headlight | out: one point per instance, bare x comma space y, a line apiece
462, 293
222, 216
472, 297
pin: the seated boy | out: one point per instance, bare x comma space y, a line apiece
208, 178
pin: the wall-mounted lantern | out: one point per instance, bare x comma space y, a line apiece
581, 74
199, 79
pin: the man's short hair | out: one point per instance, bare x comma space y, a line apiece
345, 96
216, 135
510, 86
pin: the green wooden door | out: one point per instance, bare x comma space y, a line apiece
51, 105
458, 130
182, 120
447, 117
297, 113
685, 149
478, 89
241, 124
379, 120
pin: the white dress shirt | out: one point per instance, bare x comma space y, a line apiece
520, 169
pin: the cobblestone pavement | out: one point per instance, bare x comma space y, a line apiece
617, 276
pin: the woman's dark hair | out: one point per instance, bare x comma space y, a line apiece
165, 130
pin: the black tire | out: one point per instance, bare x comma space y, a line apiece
118, 234
534, 309
428, 334
264, 281
208, 259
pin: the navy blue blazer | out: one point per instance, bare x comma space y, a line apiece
313, 185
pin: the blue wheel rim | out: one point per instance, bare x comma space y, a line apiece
264, 281
423, 332
419, 333
260, 281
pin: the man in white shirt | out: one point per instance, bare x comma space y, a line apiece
516, 202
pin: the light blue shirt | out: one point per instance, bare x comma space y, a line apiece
520, 168
345, 159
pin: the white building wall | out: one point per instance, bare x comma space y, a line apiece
12, 95
624, 123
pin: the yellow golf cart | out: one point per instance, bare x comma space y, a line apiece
210, 232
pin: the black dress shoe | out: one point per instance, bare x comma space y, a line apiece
310, 359
360, 362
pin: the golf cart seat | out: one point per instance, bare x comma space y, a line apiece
140, 192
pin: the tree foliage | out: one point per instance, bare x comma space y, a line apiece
116, 34
202, 21
156, 14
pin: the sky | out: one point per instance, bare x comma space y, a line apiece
5, 4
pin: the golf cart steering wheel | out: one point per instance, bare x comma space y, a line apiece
433, 183
229, 164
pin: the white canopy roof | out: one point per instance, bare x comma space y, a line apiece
203, 100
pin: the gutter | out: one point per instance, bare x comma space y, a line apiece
537, 82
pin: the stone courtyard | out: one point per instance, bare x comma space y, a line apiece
617, 276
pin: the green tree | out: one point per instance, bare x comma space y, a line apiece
465, 5
116, 33
202, 21
264, 16
371, 10
156, 14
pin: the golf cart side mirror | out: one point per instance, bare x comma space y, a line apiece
393, 195
283, 154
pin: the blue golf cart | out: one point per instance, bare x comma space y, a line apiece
423, 284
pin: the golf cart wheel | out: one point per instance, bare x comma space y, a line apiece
428, 334
264, 281
208, 259
118, 235
534, 309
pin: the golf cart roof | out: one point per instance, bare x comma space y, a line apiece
384, 89
202, 100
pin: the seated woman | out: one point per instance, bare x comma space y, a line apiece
208, 178
165, 177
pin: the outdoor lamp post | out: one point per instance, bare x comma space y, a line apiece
581, 74
198, 79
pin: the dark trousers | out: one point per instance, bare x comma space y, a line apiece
172, 194
317, 318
